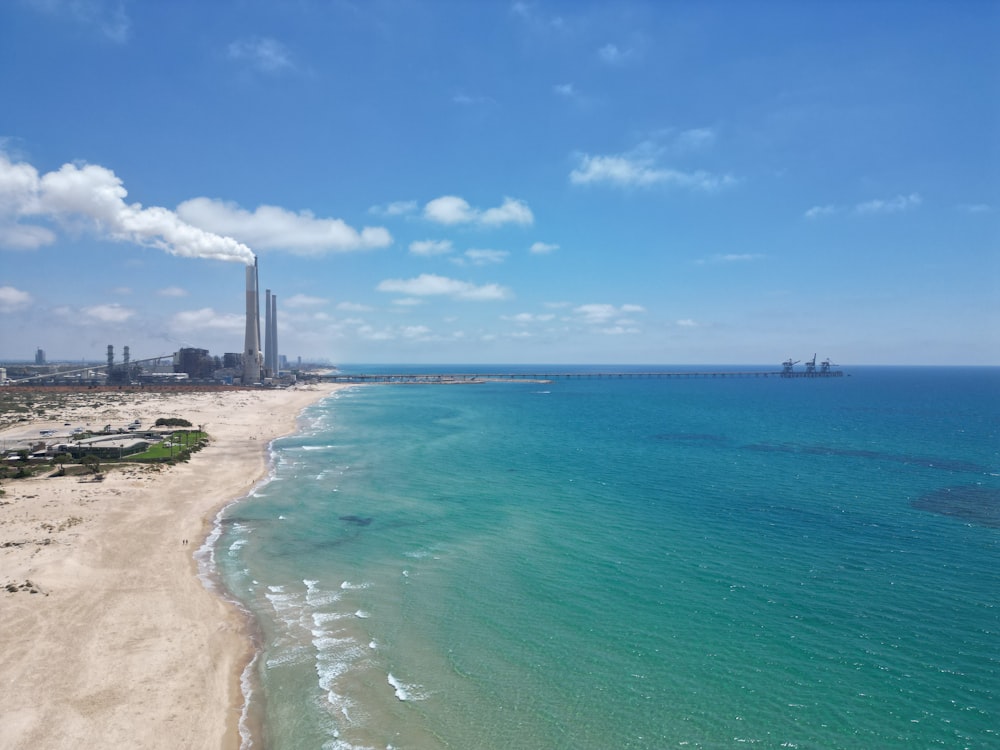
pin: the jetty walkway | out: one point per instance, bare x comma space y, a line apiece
546, 376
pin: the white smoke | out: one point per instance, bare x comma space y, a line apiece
93, 197
276, 228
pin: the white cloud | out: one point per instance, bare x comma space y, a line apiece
467, 100
895, 205
687, 323
397, 208
172, 291
486, 257
353, 307
91, 196
113, 313
694, 139
891, 206
430, 247
602, 313
265, 54
619, 330
12, 299
432, 285
451, 210
207, 319
565, 89
528, 318
537, 21
415, 332
638, 170
818, 211
732, 258
25, 236
107, 16
612, 55
976, 208
276, 228
510, 212
303, 300
541, 248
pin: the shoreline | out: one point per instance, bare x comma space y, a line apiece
125, 643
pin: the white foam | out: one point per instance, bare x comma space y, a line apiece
246, 687
348, 586
317, 597
362, 614
406, 692
294, 655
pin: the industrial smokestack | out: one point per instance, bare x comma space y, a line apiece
251, 342
268, 340
274, 334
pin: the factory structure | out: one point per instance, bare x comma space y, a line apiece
260, 366
255, 365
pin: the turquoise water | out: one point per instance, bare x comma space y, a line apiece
594, 564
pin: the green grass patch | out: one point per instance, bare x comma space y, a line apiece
182, 441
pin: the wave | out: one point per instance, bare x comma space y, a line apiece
407, 692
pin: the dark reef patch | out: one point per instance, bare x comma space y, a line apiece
931, 462
358, 520
972, 503
691, 437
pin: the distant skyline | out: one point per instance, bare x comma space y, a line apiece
504, 182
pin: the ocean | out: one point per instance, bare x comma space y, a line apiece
596, 564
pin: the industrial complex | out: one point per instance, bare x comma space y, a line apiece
254, 366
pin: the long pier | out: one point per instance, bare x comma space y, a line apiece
546, 376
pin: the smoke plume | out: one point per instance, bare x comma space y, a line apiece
92, 197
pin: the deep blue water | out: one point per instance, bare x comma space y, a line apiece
622, 563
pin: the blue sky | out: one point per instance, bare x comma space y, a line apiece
489, 182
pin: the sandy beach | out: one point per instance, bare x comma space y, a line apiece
108, 638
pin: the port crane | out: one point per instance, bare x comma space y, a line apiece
811, 365
788, 364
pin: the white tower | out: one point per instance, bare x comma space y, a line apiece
251, 343
268, 336
272, 353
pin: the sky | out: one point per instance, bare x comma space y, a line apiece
449, 181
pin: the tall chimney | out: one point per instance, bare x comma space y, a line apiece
268, 341
251, 342
274, 335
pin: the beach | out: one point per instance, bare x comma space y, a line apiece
108, 637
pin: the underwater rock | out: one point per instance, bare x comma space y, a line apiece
972, 503
357, 520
